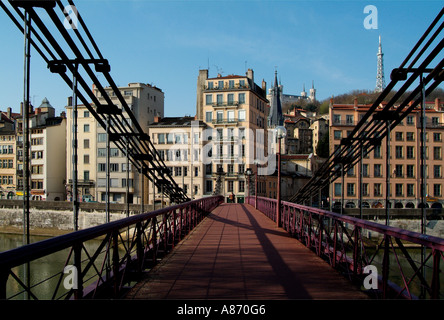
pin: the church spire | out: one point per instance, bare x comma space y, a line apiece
275, 118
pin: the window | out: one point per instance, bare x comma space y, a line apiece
410, 154
410, 171
130, 184
377, 152
338, 189
437, 190
209, 186
337, 118
101, 137
220, 84
410, 120
437, 137
230, 99
365, 170
230, 116
210, 85
410, 136
241, 115
230, 186
209, 99
101, 167
86, 128
399, 136
398, 171
220, 99
399, 152
377, 170
437, 153
208, 116
127, 92
114, 167
241, 97
410, 190
399, 190
377, 190
350, 189
160, 138
365, 189
437, 171
231, 84
113, 152
170, 138
86, 159
86, 114
241, 186
101, 152
337, 134
220, 116
349, 119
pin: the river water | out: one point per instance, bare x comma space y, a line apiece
42, 268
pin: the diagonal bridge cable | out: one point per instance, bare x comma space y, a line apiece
72, 51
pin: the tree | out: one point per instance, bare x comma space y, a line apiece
323, 147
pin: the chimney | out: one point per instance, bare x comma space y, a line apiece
250, 74
157, 119
37, 110
437, 105
9, 112
264, 86
356, 103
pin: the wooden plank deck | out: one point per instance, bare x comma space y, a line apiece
238, 253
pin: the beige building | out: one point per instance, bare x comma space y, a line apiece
145, 102
8, 177
180, 144
86, 153
236, 108
47, 155
404, 160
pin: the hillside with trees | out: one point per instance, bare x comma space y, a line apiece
363, 96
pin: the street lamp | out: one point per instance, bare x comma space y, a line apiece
256, 162
248, 173
281, 132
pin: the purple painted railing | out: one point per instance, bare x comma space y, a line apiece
407, 263
122, 250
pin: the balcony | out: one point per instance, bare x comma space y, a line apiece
83, 183
227, 87
229, 104
230, 121
434, 125
342, 123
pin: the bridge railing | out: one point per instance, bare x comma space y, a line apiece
396, 263
100, 261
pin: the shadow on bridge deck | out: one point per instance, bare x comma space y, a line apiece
238, 253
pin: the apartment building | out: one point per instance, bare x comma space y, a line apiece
146, 102
47, 155
236, 108
7, 157
404, 156
86, 154
180, 144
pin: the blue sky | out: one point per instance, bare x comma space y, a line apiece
165, 43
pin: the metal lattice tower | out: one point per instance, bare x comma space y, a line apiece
380, 81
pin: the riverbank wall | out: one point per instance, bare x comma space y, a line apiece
55, 217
